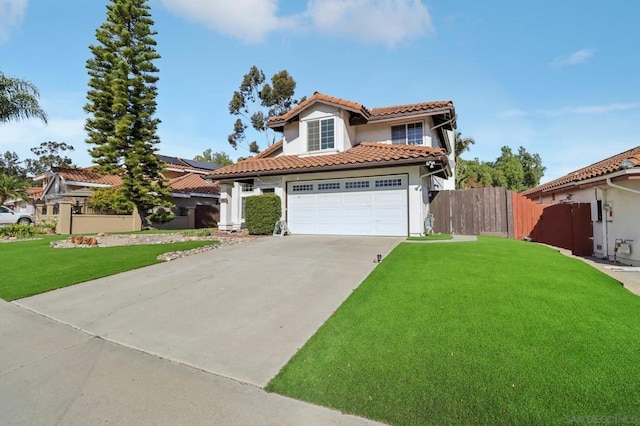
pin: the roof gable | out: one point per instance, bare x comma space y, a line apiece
361, 114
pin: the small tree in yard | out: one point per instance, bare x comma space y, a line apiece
122, 103
261, 213
110, 200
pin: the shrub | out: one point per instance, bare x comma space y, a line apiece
261, 213
202, 232
20, 231
110, 200
161, 216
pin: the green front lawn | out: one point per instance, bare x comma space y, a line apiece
489, 332
32, 267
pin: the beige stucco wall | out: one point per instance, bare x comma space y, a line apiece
87, 224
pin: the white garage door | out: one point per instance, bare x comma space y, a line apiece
358, 206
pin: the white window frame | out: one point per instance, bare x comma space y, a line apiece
319, 134
406, 133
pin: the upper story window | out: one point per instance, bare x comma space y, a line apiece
407, 134
321, 134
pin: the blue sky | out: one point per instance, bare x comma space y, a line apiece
561, 79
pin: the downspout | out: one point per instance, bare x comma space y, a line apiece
623, 188
605, 231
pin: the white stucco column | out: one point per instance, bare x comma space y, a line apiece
236, 207
226, 198
416, 210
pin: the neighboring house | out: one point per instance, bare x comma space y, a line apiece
343, 169
612, 187
185, 181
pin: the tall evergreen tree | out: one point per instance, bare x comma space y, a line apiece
122, 102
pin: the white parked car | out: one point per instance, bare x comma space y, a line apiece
9, 217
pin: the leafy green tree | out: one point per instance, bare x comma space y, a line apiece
19, 100
122, 103
111, 200
256, 101
510, 169
209, 156
532, 167
10, 165
50, 154
12, 187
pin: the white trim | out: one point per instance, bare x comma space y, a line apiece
201, 172
602, 178
96, 185
193, 194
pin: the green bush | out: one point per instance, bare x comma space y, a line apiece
20, 231
261, 213
202, 232
110, 200
161, 216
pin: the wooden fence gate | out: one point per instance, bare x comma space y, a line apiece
207, 216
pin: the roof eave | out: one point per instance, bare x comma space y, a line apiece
339, 167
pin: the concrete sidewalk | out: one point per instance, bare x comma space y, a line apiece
51, 374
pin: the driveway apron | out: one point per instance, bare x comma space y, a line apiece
240, 311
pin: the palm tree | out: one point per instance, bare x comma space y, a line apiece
462, 144
12, 187
19, 100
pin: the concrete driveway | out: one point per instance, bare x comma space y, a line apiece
239, 312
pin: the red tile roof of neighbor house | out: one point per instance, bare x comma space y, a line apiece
601, 168
192, 183
87, 175
35, 192
365, 155
380, 113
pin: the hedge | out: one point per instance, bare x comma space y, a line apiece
261, 212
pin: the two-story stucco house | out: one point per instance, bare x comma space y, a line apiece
343, 169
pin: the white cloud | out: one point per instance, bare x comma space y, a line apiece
575, 58
11, 15
248, 20
373, 21
575, 110
21, 136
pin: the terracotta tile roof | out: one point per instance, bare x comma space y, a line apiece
193, 183
399, 110
87, 175
601, 168
269, 152
365, 155
380, 113
35, 192
317, 97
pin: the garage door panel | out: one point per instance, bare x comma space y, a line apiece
357, 211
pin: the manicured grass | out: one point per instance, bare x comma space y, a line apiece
32, 267
431, 237
488, 332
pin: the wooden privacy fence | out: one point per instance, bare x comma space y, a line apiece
473, 211
498, 211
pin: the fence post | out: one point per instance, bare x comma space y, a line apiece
63, 226
510, 214
136, 222
191, 217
